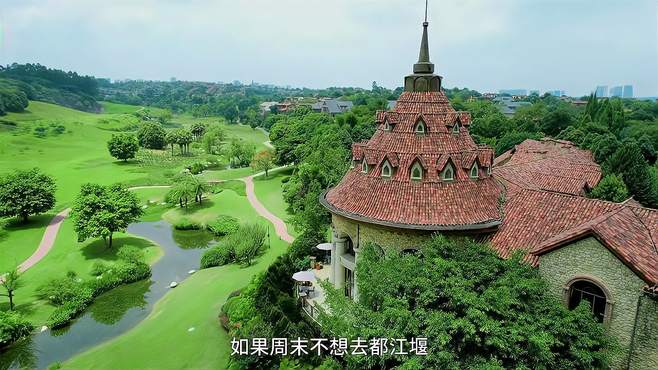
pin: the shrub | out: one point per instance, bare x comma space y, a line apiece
65, 313
13, 327
98, 268
187, 224
62, 290
196, 168
224, 225
285, 179
249, 242
217, 256
130, 254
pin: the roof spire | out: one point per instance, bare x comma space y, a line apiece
424, 65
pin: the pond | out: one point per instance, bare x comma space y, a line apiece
120, 309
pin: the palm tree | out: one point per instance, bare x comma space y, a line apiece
199, 187
11, 282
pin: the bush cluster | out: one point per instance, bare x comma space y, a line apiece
224, 225
242, 246
13, 327
187, 224
72, 295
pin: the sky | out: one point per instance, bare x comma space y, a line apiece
571, 45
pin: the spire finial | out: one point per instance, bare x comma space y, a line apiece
424, 65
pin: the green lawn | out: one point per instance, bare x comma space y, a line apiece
21, 241
270, 192
164, 339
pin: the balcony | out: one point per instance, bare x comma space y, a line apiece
313, 299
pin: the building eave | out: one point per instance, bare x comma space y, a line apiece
356, 217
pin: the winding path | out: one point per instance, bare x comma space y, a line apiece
49, 236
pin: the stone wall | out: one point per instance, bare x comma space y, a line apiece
381, 235
589, 258
645, 341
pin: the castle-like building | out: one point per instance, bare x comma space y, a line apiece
422, 173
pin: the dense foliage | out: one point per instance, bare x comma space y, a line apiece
100, 211
37, 82
186, 188
224, 225
241, 246
13, 327
123, 146
476, 309
152, 136
71, 295
26, 192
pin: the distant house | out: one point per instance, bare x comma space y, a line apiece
266, 107
508, 106
332, 106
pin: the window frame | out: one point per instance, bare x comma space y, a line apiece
609, 302
456, 128
477, 171
388, 166
416, 166
387, 126
450, 167
420, 123
364, 166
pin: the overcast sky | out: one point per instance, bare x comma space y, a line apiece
487, 45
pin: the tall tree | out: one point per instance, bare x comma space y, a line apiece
26, 192
636, 172
100, 211
151, 136
263, 161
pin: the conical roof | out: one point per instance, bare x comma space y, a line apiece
421, 169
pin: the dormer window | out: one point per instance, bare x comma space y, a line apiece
387, 126
455, 128
420, 127
448, 173
364, 166
386, 169
417, 172
475, 171
489, 170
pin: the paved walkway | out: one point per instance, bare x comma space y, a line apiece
279, 225
52, 229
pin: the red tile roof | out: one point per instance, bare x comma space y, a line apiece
432, 202
553, 165
541, 221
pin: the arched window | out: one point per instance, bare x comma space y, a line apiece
420, 127
417, 171
364, 166
585, 290
455, 128
386, 169
474, 171
448, 173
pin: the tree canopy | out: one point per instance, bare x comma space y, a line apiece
26, 192
123, 146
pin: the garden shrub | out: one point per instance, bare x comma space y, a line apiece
196, 168
98, 268
130, 253
187, 224
217, 256
62, 290
13, 327
65, 313
224, 225
285, 179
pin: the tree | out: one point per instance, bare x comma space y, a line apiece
11, 282
164, 117
151, 136
483, 312
263, 161
213, 139
171, 138
123, 146
198, 129
638, 176
240, 152
610, 188
183, 138
187, 187
249, 242
26, 192
556, 121
100, 211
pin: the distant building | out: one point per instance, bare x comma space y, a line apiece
557, 93
332, 106
513, 92
628, 92
601, 91
617, 92
266, 107
508, 105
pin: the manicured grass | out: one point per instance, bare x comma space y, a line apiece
230, 174
69, 255
269, 190
21, 241
113, 108
227, 202
164, 339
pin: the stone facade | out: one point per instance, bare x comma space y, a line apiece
588, 259
362, 233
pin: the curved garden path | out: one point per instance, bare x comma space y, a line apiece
49, 236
